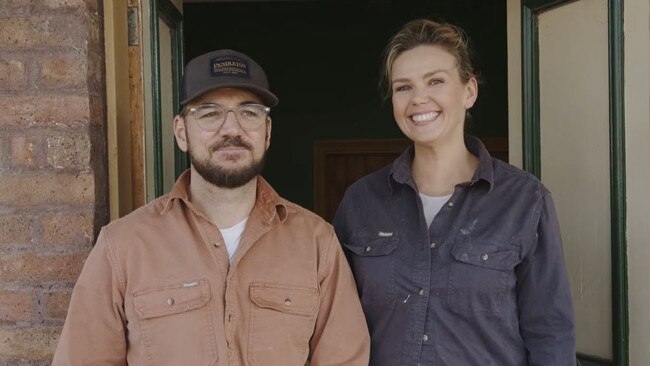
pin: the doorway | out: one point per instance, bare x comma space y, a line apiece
323, 60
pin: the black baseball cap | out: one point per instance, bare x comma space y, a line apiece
225, 69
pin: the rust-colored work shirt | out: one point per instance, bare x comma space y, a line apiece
158, 289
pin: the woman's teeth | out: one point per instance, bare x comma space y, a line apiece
426, 117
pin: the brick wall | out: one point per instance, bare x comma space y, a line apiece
53, 176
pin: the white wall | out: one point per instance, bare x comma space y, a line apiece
574, 136
637, 135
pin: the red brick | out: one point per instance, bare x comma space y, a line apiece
56, 304
14, 7
15, 229
39, 189
63, 72
34, 343
12, 74
16, 305
45, 6
24, 151
64, 4
30, 267
68, 229
64, 110
65, 30
4, 153
72, 151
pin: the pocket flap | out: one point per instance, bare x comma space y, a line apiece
373, 247
172, 299
287, 299
486, 254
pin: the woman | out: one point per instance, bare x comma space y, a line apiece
457, 256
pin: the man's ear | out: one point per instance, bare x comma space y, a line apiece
268, 132
180, 132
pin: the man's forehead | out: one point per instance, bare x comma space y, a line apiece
228, 95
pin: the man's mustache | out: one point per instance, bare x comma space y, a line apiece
230, 142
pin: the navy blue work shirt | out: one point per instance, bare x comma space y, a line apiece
484, 285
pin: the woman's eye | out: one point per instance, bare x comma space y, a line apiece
435, 81
401, 88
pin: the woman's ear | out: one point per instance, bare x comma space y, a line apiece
472, 92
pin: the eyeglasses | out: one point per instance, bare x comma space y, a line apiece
210, 117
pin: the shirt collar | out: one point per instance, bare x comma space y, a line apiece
267, 203
401, 170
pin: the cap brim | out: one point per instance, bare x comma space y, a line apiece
269, 99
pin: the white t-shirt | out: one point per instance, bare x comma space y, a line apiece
432, 205
231, 236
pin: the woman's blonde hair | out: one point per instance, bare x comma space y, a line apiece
425, 32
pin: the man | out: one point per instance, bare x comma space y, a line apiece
220, 271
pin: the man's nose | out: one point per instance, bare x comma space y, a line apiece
230, 124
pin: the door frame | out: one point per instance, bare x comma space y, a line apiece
530, 9
169, 13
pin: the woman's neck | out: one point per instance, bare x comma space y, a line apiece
437, 169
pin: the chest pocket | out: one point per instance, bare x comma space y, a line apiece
373, 261
176, 323
481, 276
282, 320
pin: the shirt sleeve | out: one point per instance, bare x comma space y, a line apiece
341, 335
544, 298
94, 330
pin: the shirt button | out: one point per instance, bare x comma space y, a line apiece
217, 244
484, 257
170, 301
368, 248
450, 204
432, 245
421, 292
425, 338
287, 301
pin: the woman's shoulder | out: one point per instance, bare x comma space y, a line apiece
377, 180
510, 175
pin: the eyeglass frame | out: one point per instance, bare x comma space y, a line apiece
186, 111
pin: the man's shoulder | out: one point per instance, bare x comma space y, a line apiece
296, 213
141, 217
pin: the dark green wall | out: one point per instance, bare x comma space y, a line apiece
323, 62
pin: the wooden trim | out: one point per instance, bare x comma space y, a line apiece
118, 111
136, 87
587, 360
169, 13
156, 100
530, 92
620, 316
530, 49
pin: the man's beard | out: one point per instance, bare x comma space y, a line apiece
223, 177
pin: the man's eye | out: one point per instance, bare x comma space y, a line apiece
249, 113
211, 114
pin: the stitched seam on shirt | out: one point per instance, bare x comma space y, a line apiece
534, 222
327, 257
115, 265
